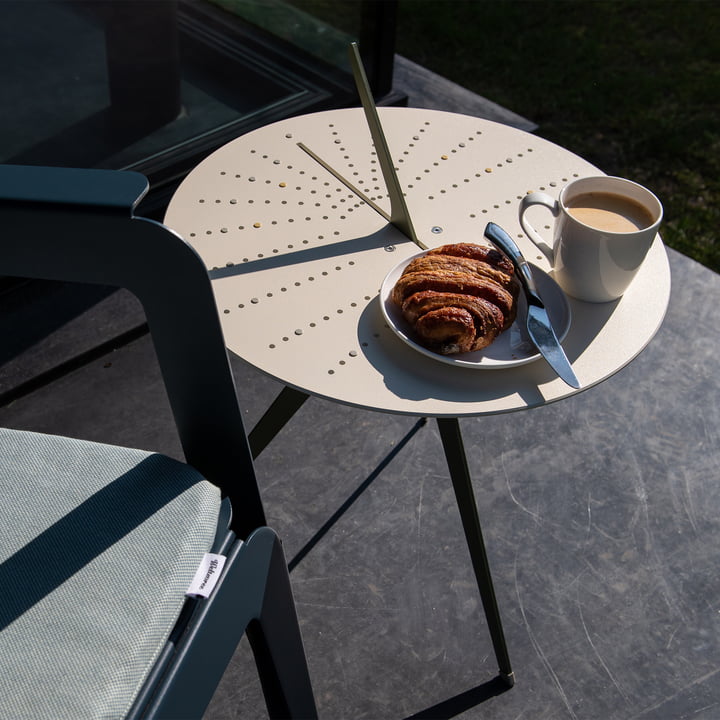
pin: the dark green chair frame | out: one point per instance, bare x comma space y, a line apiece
74, 225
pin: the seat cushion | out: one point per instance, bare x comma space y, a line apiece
97, 546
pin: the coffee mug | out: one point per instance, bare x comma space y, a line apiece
604, 227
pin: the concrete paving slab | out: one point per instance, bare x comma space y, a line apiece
600, 515
49, 327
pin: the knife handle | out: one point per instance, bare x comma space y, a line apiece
499, 237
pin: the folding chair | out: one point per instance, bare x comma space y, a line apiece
99, 544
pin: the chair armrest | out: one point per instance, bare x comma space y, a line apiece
107, 189
73, 225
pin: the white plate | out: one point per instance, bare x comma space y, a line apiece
511, 348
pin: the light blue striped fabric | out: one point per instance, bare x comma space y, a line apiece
97, 547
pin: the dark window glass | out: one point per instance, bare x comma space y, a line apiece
155, 85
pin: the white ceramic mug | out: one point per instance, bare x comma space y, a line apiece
604, 227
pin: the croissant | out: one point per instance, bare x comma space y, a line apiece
458, 298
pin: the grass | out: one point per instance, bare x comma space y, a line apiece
633, 86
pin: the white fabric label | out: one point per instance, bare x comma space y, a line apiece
206, 575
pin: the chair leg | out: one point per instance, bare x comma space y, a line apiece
460, 476
253, 595
278, 647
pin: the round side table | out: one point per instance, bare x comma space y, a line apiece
291, 222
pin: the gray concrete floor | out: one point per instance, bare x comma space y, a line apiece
601, 516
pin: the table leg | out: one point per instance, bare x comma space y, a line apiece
285, 405
460, 475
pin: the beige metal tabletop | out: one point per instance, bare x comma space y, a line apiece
297, 258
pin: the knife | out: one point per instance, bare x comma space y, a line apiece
538, 323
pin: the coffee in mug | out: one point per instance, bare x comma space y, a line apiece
604, 227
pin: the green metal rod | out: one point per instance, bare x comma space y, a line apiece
399, 214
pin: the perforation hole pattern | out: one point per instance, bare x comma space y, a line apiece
278, 202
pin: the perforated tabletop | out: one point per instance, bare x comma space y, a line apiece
297, 258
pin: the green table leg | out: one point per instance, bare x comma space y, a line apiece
285, 405
460, 475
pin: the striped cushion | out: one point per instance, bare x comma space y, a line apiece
97, 547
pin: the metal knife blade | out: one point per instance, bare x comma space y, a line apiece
539, 326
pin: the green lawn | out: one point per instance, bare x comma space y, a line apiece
633, 86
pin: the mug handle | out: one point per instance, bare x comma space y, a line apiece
538, 198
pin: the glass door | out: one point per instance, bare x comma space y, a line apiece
155, 85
